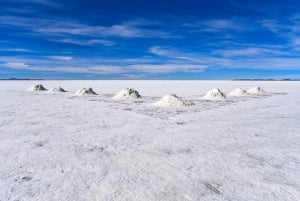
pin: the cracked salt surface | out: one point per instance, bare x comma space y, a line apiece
65, 147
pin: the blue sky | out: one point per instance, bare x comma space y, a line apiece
149, 39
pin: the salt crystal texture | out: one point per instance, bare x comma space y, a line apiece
214, 94
238, 92
256, 90
37, 87
127, 94
56, 147
85, 92
172, 100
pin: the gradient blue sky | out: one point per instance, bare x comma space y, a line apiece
149, 39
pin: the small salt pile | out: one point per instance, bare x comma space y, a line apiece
127, 94
37, 87
56, 89
214, 94
256, 90
85, 92
172, 100
238, 92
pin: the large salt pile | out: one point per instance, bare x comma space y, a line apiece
256, 90
56, 89
172, 100
214, 94
238, 92
37, 87
85, 92
127, 94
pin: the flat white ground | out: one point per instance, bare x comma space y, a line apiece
65, 148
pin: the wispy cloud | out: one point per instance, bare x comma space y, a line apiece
117, 30
56, 27
16, 50
87, 42
61, 58
17, 65
250, 52
174, 54
39, 2
113, 69
150, 68
223, 24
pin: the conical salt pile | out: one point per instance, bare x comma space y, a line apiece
37, 87
256, 90
238, 92
127, 94
172, 100
214, 94
56, 89
85, 92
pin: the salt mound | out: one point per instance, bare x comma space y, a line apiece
214, 94
171, 100
256, 90
85, 92
127, 94
58, 89
37, 87
238, 92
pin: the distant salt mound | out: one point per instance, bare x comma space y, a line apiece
256, 90
56, 89
214, 94
85, 92
127, 94
172, 100
238, 92
37, 87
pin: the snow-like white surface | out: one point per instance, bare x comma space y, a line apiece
70, 148
127, 93
238, 92
256, 90
85, 92
214, 94
172, 100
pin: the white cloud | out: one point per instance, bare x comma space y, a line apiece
157, 50
249, 52
16, 50
16, 65
113, 69
223, 24
149, 68
169, 68
272, 25
61, 58
175, 54
87, 42
61, 28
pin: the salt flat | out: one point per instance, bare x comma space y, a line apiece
57, 146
